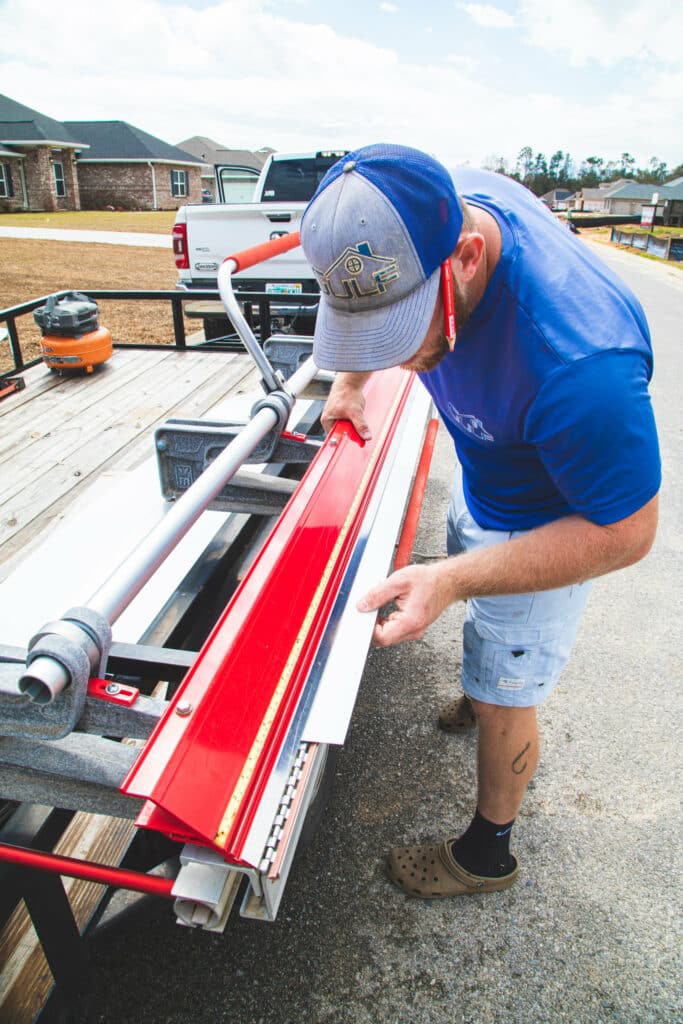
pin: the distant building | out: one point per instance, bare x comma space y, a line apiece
627, 198
37, 160
127, 168
557, 199
53, 165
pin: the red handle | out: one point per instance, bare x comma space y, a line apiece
407, 538
265, 251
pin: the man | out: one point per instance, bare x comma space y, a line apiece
544, 392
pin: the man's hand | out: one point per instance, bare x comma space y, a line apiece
346, 401
420, 595
559, 554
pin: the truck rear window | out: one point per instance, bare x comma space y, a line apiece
295, 181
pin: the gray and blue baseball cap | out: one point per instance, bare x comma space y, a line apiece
383, 220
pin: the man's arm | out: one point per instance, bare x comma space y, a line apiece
567, 551
346, 401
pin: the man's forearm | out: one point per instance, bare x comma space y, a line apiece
351, 381
568, 551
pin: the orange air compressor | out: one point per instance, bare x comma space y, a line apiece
72, 337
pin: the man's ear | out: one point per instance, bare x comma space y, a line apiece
468, 253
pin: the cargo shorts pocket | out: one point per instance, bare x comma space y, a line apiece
516, 667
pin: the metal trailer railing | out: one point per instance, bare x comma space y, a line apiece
257, 307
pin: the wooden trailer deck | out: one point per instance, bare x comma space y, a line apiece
58, 438
61, 433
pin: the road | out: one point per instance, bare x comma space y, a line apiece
588, 935
103, 237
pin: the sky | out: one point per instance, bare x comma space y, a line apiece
467, 82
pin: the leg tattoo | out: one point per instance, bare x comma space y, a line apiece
515, 764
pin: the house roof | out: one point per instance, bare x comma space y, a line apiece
672, 190
9, 153
634, 190
557, 194
210, 152
118, 140
19, 123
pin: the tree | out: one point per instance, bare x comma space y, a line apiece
626, 165
591, 171
655, 173
494, 162
555, 166
525, 163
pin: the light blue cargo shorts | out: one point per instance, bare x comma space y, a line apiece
514, 646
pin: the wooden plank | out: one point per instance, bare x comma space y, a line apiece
76, 452
205, 308
47, 410
25, 978
38, 531
126, 409
38, 380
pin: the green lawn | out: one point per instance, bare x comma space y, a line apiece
160, 222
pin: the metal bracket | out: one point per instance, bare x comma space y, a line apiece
288, 352
186, 447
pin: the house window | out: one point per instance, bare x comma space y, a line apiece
179, 183
60, 185
4, 183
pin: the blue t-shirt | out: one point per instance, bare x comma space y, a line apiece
546, 393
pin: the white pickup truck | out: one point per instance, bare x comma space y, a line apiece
203, 235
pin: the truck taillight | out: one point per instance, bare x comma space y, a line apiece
182, 260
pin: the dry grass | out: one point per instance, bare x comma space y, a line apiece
160, 222
30, 269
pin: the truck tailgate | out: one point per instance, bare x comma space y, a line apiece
217, 231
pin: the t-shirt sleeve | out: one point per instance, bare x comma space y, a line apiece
594, 429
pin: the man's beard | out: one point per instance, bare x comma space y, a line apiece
423, 362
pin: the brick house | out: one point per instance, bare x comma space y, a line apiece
60, 165
130, 169
37, 161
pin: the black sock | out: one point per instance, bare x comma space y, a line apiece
484, 849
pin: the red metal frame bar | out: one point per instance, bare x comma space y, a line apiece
206, 764
412, 517
120, 878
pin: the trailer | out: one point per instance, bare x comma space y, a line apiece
181, 553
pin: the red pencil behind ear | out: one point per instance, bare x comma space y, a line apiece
448, 299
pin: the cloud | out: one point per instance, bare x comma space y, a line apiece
168, 71
605, 31
489, 16
467, 64
388, 8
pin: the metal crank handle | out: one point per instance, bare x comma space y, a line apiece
232, 265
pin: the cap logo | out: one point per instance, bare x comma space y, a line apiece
359, 273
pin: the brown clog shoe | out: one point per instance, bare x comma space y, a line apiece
431, 872
457, 715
